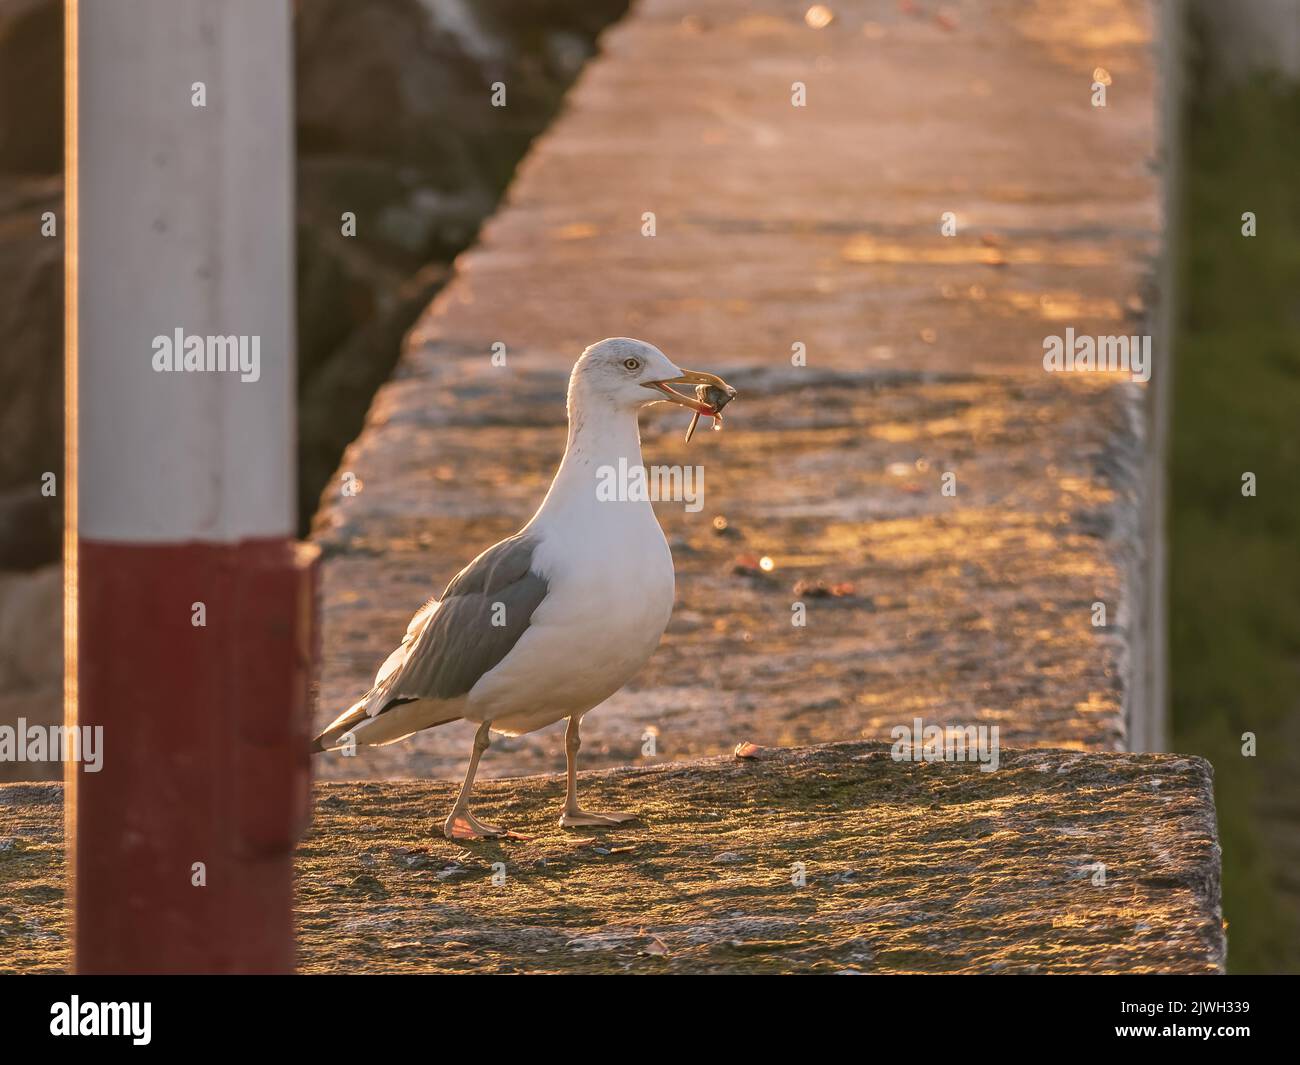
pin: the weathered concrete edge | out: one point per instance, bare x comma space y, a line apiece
1149, 726
1199, 872
1144, 568
1197, 923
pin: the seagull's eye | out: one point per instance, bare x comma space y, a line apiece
632, 364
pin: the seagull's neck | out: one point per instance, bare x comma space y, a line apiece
601, 437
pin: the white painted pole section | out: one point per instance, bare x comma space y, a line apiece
186, 223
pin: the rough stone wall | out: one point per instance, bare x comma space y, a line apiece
823, 860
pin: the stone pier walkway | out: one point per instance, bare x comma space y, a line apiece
780, 229
818, 226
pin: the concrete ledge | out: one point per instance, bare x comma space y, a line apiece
909, 868
820, 226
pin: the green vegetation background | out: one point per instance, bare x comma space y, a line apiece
1235, 561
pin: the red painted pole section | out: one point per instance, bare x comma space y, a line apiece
206, 774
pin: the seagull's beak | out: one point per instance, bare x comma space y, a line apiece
716, 388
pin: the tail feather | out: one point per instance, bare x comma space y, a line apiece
398, 719
343, 724
364, 716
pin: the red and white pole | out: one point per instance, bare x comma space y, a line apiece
191, 606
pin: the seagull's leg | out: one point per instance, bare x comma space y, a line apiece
460, 823
575, 816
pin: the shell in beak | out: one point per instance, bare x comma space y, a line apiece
712, 393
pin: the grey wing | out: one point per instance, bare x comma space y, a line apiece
485, 609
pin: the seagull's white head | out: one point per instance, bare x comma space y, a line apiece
626, 374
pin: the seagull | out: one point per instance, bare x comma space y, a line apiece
552, 621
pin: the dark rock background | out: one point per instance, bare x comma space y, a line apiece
394, 123
31, 279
